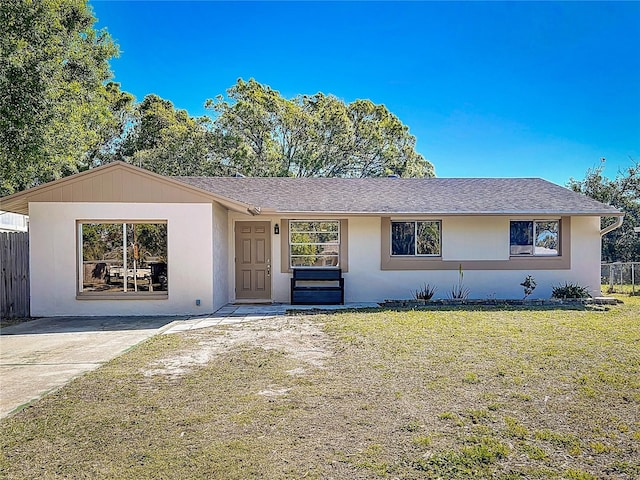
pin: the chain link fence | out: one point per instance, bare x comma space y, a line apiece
621, 277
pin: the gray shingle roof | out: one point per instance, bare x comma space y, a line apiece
450, 196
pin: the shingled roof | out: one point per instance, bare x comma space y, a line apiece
438, 196
122, 182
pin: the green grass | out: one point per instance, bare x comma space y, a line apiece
456, 393
621, 290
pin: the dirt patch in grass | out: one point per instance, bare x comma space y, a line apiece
432, 394
296, 337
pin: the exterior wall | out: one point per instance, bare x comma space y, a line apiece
119, 184
53, 258
586, 254
463, 239
487, 242
221, 272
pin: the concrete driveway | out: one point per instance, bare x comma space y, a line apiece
40, 356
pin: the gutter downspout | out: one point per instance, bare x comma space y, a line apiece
613, 226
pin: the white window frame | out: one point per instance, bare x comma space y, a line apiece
291, 244
415, 233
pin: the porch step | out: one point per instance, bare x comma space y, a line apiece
606, 301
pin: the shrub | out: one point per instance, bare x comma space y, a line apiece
425, 293
459, 291
529, 285
570, 290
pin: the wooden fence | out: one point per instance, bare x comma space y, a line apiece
14, 274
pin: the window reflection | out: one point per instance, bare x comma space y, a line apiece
124, 257
314, 243
415, 238
534, 237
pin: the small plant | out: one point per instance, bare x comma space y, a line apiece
515, 429
422, 441
570, 290
459, 291
470, 377
425, 293
529, 285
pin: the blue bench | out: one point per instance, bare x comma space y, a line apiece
318, 286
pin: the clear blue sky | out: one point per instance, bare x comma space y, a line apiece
489, 89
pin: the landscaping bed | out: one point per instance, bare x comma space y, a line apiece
541, 302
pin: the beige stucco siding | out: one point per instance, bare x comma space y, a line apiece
53, 258
115, 183
117, 186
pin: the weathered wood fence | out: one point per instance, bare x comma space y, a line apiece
14, 274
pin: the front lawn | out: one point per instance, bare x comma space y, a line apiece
457, 393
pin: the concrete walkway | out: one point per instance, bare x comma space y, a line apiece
232, 314
42, 355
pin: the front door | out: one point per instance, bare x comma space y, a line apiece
253, 261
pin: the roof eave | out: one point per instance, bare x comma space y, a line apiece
449, 213
18, 202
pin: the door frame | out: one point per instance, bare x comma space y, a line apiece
268, 297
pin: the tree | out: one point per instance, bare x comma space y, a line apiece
312, 135
263, 132
54, 105
623, 192
168, 141
122, 115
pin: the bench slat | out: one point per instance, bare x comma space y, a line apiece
317, 293
317, 273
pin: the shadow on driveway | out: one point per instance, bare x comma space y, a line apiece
87, 324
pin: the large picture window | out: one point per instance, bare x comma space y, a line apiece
535, 237
314, 243
412, 238
123, 258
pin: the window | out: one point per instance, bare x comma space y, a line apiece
535, 237
415, 238
123, 258
314, 243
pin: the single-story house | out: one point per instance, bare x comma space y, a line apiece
120, 240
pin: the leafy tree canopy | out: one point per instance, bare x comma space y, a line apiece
168, 141
59, 114
623, 192
257, 132
266, 134
54, 104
